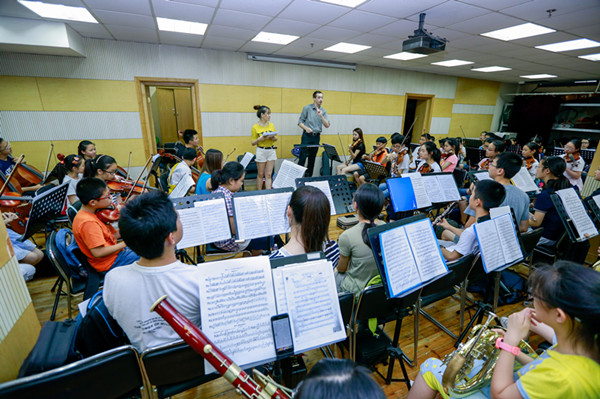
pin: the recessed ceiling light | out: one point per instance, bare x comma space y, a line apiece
348, 48
58, 11
176, 25
518, 32
576, 44
539, 76
274, 38
347, 3
491, 69
405, 56
452, 63
586, 81
591, 57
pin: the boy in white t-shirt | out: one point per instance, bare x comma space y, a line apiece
487, 194
183, 168
150, 226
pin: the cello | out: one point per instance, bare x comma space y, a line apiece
13, 201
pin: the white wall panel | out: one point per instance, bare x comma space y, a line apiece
113, 60
473, 109
14, 296
218, 124
48, 126
440, 125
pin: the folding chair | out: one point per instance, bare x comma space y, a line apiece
529, 241
373, 303
173, 368
347, 308
111, 374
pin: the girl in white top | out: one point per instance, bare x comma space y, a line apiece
69, 170
529, 152
575, 163
431, 156
415, 154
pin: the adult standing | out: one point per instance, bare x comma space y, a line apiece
312, 119
264, 136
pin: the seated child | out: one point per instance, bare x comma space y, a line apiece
26, 252
487, 194
97, 240
378, 155
182, 169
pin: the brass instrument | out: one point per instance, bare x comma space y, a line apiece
480, 345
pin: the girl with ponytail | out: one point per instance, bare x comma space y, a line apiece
357, 265
69, 170
551, 171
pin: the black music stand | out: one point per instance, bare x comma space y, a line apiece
474, 155
593, 209
44, 209
188, 202
331, 154
375, 170
566, 220
340, 191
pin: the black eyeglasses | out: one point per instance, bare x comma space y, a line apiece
108, 171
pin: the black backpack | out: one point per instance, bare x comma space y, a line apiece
98, 331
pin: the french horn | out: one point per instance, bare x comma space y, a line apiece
461, 377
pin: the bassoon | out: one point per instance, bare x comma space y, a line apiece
194, 337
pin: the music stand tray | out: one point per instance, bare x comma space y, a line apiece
45, 207
340, 191
331, 152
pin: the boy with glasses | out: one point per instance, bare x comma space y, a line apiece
98, 240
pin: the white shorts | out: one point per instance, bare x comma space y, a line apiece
265, 154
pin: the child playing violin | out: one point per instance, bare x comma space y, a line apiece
378, 156
357, 150
98, 240
7, 163
575, 163
528, 152
494, 148
431, 156
451, 148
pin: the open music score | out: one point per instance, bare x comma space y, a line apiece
480, 175
246, 159
323, 185
183, 187
407, 254
415, 191
238, 298
524, 181
441, 187
261, 213
287, 174
577, 222
498, 243
204, 219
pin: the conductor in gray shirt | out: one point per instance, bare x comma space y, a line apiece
312, 119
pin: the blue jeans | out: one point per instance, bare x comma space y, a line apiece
383, 187
125, 257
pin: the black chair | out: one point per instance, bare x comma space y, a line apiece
111, 374
173, 368
459, 177
529, 241
373, 303
72, 210
347, 308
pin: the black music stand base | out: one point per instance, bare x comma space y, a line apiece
183, 256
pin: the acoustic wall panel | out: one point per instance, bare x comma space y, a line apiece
14, 296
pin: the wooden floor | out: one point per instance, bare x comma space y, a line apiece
432, 341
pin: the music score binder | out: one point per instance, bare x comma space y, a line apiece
340, 190
524, 181
498, 242
239, 296
479, 175
407, 255
572, 213
415, 191
204, 219
261, 213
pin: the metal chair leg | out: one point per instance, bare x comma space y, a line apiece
56, 300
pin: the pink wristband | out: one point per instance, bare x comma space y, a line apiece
509, 348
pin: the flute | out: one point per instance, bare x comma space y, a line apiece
194, 337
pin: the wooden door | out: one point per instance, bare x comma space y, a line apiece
183, 108
167, 115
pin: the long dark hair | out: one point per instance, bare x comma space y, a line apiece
82, 146
65, 165
100, 162
576, 290
454, 144
231, 170
557, 167
369, 202
311, 209
213, 160
433, 150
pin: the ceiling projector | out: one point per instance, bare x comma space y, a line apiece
423, 42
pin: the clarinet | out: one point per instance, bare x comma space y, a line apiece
195, 338
445, 213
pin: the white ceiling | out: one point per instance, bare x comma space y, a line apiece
382, 24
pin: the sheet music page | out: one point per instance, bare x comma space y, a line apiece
434, 190
421, 196
508, 239
183, 187
499, 211
483, 175
277, 212
279, 287
287, 174
597, 200
577, 213
449, 188
214, 212
323, 185
313, 305
193, 228
524, 181
425, 249
236, 304
489, 245
251, 217
400, 267
246, 159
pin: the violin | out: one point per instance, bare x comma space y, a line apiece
124, 186
529, 162
399, 159
425, 168
484, 164
200, 155
26, 175
355, 144
175, 159
12, 201
574, 157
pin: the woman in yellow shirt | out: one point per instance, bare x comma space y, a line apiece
264, 137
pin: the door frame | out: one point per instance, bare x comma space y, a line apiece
429, 106
141, 86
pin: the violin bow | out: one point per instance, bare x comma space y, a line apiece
342, 145
227, 157
463, 132
411, 126
139, 177
12, 173
128, 166
48, 162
